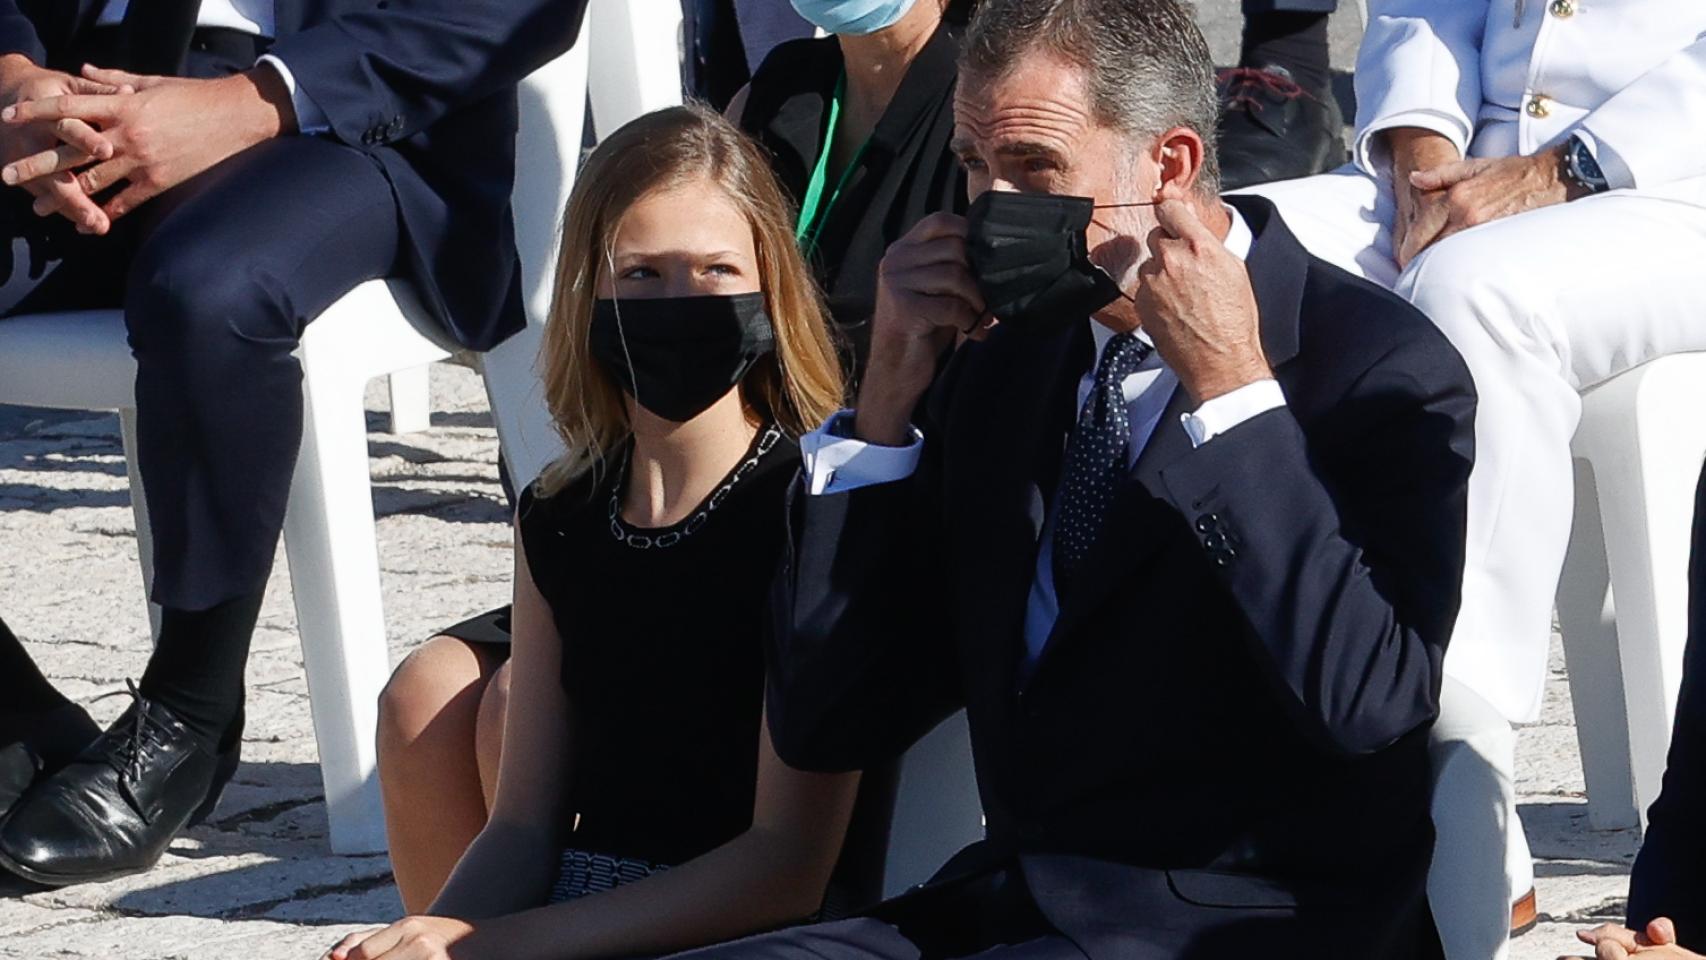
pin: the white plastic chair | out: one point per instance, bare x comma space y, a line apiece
937, 810
81, 361
1638, 454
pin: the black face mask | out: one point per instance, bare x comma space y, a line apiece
1031, 260
678, 355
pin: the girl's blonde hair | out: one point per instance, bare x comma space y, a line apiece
798, 386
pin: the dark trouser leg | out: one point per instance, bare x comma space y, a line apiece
217, 297
1290, 34
23, 690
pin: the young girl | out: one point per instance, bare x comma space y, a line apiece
687, 350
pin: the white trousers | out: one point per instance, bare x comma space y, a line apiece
1541, 305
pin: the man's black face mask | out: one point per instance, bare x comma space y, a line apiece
1031, 260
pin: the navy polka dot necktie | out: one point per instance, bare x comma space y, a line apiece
1095, 458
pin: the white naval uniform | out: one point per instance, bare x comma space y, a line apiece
1542, 305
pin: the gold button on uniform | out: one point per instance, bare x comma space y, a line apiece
1537, 107
1563, 9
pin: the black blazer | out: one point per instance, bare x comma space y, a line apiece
427, 87
1670, 873
1222, 751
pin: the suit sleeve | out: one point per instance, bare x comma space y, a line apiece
18, 34
1633, 150
862, 653
1350, 582
1419, 66
387, 73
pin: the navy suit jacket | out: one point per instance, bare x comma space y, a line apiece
427, 87
1223, 749
1670, 873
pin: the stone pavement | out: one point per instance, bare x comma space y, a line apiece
258, 880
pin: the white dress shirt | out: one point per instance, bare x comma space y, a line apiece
837, 464
246, 16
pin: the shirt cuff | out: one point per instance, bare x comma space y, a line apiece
1230, 409
310, 118
835, 462
1618, 176
1371, 153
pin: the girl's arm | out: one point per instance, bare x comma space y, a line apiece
511, 864
774, 873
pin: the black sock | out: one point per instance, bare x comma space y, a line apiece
1295, 41
197, 667
23, 689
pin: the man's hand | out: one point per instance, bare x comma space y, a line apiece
411, 938
1483, 190
1658, 942
1195, 302
165, 132
56, 147
1422, 214
925, 296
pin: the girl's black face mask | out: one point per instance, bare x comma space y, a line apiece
1031, 260
678, 355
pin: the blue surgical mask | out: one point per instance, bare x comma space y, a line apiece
855, 17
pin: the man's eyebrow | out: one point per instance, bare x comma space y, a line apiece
1026, 148
960, 146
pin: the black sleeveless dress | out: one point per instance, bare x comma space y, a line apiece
663, 663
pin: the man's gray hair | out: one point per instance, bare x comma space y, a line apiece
1147, 64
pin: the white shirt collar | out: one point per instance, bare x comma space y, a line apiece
1239, 239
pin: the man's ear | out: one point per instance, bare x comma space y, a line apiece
1179, 154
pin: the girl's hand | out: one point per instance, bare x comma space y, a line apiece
411, 938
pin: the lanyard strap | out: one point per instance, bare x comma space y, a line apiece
814, 209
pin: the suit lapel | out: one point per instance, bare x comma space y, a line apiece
1136, 524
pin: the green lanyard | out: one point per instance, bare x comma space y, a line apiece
813, 209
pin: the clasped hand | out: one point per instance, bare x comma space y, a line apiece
1439, 195
69, 140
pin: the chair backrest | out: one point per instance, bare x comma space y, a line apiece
627, 62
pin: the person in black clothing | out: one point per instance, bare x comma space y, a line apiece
889, 90
687, 351
1667, 892
857, 126
1181, 529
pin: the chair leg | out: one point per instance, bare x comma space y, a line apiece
334, 567
411, 400
1587, 620
139, 509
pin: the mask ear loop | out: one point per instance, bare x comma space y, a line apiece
621, 331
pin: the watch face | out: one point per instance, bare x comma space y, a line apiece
1585, 167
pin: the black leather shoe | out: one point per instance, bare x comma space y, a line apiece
36, 747
1273, 129
113, 811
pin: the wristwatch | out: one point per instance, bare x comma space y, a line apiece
1582, 169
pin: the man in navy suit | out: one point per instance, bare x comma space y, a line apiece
224, 170
1182, 532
